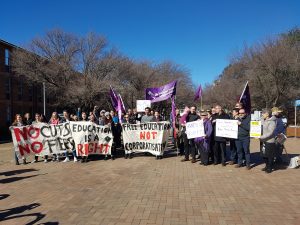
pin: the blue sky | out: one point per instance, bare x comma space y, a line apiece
200, 35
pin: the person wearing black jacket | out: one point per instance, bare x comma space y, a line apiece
233, 150
220, 142
189, 144
243, 141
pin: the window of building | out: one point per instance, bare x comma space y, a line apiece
7, 60
7, 89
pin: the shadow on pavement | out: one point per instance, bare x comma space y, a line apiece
4, 196
13, 213
13, 179
16, 172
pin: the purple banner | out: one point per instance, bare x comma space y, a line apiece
114, 98
198, 93
161, 93
245, 99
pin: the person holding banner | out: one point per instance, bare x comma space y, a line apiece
233, 150
268, 146
156, 117
84, 116
18, 122
147, 117
131, 117
189, 144
54, 120
203, 143
128, 153
38, 119
243, 141
66, 117
220, 142
27, 120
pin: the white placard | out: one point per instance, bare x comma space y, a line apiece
227, 128
195, 129
255, 129
142, 104
146, 137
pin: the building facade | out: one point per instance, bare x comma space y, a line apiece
17, 95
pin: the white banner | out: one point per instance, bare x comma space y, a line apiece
195, 129
91, 138
227, 128
42, 139
146, 137
255, 129
142, 104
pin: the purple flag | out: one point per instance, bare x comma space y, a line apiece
161, 93
119, 109
245, 99
173, 111
114, 98
122, 104
198, 93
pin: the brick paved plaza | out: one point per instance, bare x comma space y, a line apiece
143, 190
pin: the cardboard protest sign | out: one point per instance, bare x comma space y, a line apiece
255, 129
146, 137
41, 139
91, 138
227, 128
195, 129
142, 104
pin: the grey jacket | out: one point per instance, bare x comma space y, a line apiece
268, 128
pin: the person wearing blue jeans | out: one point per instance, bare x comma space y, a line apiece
243, 141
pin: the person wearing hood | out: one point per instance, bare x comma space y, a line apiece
268, 139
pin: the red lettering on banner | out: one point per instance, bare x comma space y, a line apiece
142, 135
37, 132
154, 133
85, 149
24, 148
148, 135
96, 147
25, 132
40, 148
18, 133
106, 149
79, 150
90, 147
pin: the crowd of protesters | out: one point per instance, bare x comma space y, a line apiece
210, 149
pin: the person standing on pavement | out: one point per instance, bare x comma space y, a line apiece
243, 141
268, 146
220, 142
189, 144
233, 150
204, 142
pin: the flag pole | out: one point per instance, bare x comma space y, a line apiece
243, 91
